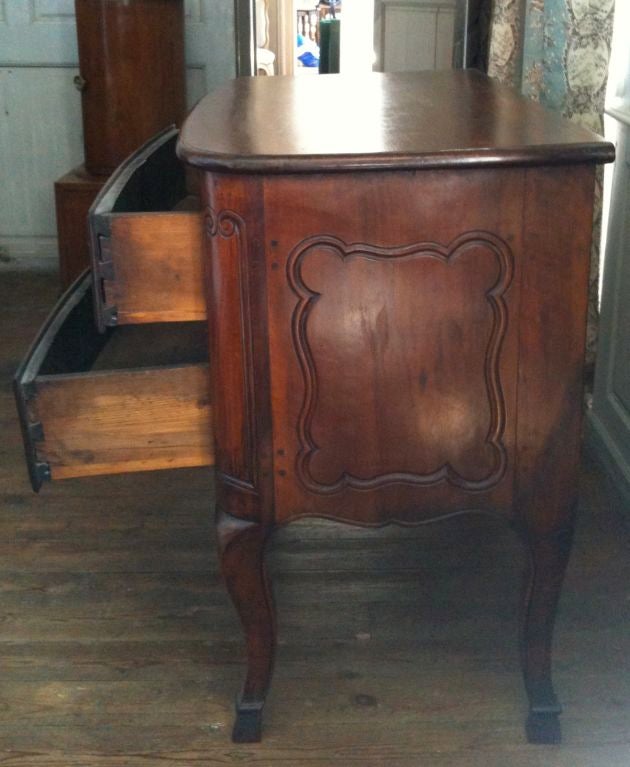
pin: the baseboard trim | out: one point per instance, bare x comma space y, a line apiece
603, 450
29, 253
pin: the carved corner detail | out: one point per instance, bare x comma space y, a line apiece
227, 225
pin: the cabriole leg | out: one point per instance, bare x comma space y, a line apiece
241, 553
549, 555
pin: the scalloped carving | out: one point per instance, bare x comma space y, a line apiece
302, 273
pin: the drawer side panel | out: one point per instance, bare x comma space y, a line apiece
156, 268
124, 421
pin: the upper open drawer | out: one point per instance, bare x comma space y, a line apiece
146, 241
130, 399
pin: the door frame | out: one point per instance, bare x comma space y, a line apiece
244, 37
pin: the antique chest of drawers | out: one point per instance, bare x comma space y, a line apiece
396, 271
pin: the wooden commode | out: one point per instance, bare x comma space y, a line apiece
397, 280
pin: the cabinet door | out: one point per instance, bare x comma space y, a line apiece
393, 317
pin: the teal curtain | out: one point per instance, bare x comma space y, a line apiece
557, 52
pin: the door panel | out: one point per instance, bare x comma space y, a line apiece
413, 35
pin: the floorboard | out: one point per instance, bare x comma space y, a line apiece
397, 647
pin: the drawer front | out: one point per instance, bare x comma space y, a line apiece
146, 241
77, 421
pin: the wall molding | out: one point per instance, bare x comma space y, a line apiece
40, 253
64, 13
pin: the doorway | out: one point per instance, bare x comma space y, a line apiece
375, 35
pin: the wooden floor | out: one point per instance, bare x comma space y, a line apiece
397, 647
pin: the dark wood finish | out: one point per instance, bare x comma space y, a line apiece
242, 554
396, 336
549, 556
555, 220
74, 194
120, 649
147, 256
461, 119
131, 57
81, 418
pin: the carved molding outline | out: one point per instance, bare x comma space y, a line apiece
307, 297
227, 224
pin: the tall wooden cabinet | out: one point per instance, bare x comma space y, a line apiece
132, 83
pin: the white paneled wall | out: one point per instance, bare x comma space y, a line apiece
40, 108
412, 35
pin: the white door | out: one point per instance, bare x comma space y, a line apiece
412, 35
40, 108
40, 120
610, 416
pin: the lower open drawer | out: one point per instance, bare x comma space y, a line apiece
132, 399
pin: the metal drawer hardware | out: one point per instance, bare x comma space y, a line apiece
33, 433
103, 271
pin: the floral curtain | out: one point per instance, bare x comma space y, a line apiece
557, 52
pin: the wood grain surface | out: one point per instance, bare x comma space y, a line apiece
394, 315
394, 120
109, 422
158, 267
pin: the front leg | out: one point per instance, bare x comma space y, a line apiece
549, 555
241, 553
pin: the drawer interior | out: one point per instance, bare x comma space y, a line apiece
147, 240
132, 399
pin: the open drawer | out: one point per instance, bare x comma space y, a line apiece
131, 399
146, 241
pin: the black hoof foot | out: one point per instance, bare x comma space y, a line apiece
543, 728
248, 724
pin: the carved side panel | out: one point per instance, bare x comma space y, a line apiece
399, 350
393, 304
232, 363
